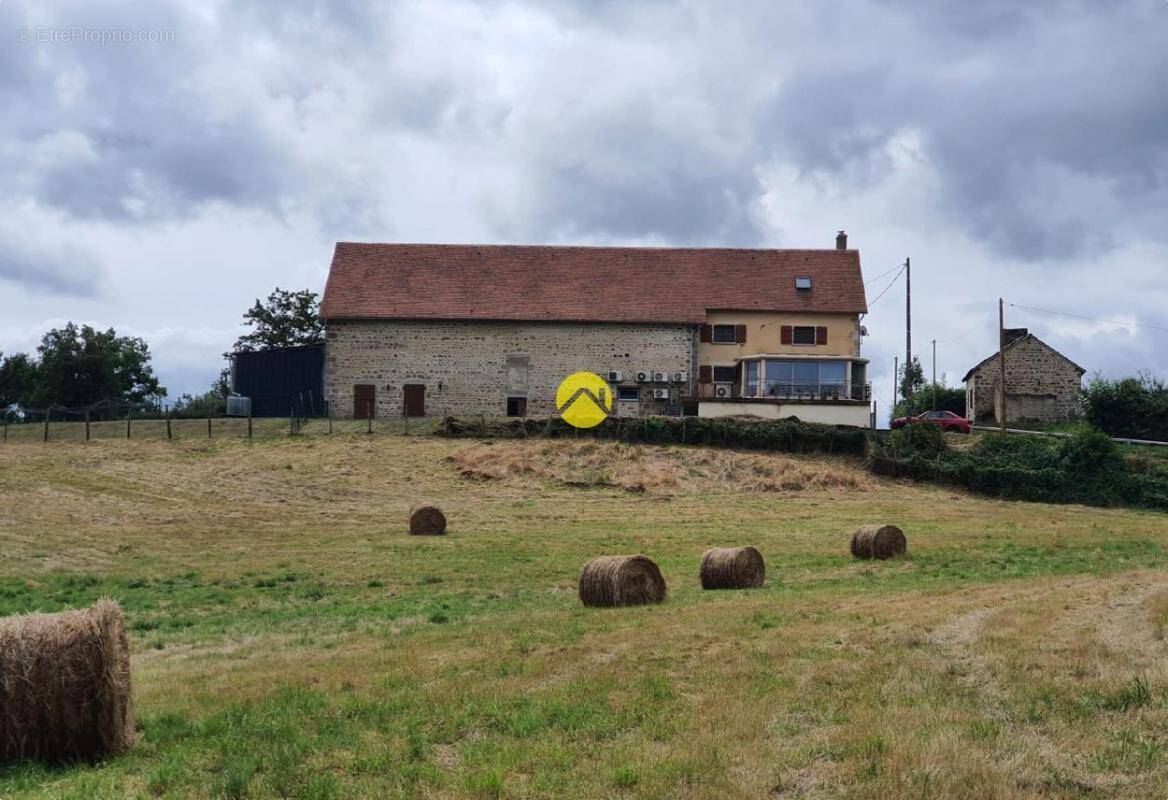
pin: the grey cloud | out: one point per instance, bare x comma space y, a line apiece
43, 268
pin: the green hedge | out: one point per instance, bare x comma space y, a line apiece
1086, 468
785, 435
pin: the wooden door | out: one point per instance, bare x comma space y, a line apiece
364, 401
414, 400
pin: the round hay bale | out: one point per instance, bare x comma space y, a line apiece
878, 541
732, 568
65, 686
610, 581
427, 520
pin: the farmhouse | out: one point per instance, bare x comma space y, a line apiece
432, 330
1042, 385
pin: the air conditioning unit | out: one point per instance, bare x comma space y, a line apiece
660, 377
644, 376
660, 394
615, 376
679, 377
723, 391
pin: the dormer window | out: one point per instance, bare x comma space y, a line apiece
803, 283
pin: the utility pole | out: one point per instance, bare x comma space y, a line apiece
934, 343
907, 320
1002, 364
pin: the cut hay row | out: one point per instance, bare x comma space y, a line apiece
65, 685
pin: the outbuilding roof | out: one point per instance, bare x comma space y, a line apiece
1024, 336
583, 284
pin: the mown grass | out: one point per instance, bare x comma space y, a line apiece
290, 641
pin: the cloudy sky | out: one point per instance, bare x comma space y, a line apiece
158, 182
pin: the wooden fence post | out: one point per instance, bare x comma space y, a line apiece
6, 426
249, 420
208, 424
368, 416
48, 412
168, 434
128, 413
87, 424
329, 412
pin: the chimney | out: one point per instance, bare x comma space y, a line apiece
841, 240
1014, 334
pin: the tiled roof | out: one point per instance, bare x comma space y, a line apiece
583, 284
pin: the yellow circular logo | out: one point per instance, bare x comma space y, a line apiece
584, 399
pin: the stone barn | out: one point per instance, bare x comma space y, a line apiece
1042, 385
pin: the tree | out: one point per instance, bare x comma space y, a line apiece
82, 366
912, 378
18, 379
287, 319
1135, 407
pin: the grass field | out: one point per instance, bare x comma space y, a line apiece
290, 640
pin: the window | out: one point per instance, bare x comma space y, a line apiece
517, 406
752, 378
628, 394
723, 334
802, 379
803, 334
725, 374
803, 283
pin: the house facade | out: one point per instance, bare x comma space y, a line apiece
435, 330
1042, 385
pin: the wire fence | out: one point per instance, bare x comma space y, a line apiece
132, 421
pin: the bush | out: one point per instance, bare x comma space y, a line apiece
916, 440
1134, 408
784, 435
1085, 468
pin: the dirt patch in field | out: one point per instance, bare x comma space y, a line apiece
658, 470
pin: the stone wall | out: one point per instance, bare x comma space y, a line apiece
1041, 385
472, 367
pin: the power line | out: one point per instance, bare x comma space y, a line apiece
882, 274
959, 337
1089, 319
886, 288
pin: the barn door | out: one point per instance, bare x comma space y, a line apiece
414, 400
364, 401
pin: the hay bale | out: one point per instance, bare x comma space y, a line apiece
610, 581
427, 520
732, 568
878, 541
65, 685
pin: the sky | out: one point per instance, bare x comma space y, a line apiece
163, 164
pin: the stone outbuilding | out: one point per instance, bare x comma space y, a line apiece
1042, 385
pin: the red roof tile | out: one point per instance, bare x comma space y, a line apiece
583, 284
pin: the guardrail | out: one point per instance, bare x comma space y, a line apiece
1061, 435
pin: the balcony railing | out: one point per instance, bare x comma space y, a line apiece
792, 390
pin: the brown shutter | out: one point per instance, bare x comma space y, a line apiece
785, 334
705, 374
707, 333
820, 335
740, 334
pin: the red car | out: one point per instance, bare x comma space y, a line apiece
946, 419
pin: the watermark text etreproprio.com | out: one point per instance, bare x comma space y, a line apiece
77, 33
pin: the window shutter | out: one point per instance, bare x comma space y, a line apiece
740, 334
820, 335
705, 374
707, 333
785, 334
